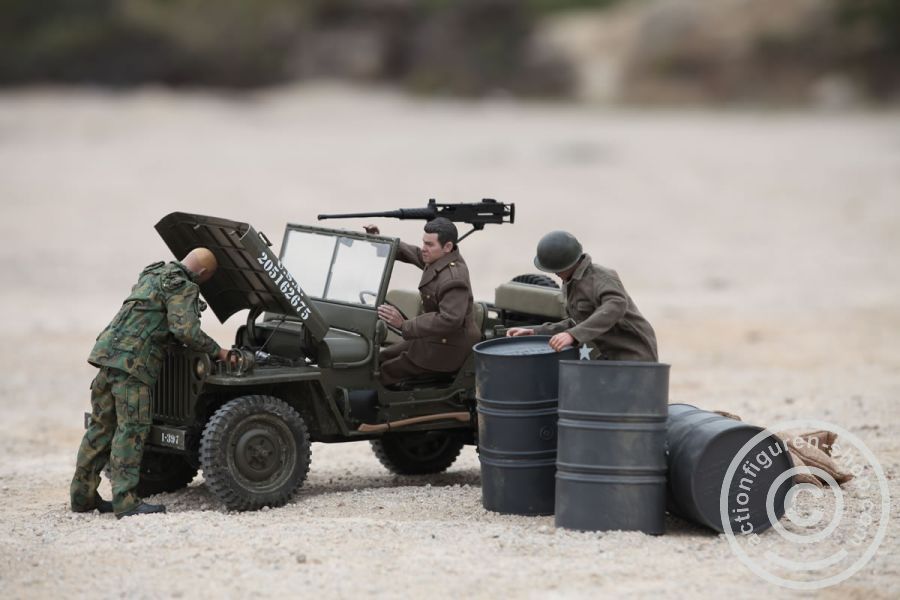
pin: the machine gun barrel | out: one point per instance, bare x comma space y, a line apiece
402, 213
476, 214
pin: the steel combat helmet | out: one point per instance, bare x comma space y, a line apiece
557, 251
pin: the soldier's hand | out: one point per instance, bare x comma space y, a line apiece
390, 315
562, 340
372, 229
517, 331
222, 355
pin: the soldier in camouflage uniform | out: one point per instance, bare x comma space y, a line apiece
164, 304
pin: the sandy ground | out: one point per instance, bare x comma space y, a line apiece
763, 247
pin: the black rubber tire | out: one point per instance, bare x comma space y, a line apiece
163, 472
418, 452
536, 279
255, 452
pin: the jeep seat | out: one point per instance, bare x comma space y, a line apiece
480, 314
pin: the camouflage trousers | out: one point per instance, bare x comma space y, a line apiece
120, 422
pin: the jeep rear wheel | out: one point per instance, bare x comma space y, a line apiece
418, 452
162, 472
255, 452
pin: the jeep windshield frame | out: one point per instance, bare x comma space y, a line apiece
339, 266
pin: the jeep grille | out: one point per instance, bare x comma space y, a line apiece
172, 396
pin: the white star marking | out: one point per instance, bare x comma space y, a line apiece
584, 353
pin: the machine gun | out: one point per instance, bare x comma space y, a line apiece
476, 214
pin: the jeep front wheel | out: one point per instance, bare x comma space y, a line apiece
255, 452
418, 452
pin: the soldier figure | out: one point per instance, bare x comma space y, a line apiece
440, 339
129, 352
602, 316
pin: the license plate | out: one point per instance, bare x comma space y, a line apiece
169, 437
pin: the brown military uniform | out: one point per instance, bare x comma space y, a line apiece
603, 315
440, 339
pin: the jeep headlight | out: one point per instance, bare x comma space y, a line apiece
200, 368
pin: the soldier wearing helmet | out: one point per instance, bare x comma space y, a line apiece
601, 314
164, 304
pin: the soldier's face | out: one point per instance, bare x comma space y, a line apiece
567, 274
431, 248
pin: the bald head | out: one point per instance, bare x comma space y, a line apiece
202, 262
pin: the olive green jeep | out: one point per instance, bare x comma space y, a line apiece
306, 364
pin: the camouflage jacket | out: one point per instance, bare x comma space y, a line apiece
163, 304
603, 315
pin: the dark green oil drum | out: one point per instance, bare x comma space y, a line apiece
700, 447
516, 387
611, 465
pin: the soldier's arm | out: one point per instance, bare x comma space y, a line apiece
449, 317
184, 320
410, 254
554, 328
611, 306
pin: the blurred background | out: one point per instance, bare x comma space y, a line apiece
736, 161
820, 52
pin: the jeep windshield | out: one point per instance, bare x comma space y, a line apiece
336, 267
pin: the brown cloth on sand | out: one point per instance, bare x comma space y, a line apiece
813, 449
809, 449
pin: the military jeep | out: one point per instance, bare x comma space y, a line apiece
305, 365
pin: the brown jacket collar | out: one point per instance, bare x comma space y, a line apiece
445, 260
431, 271
583, 264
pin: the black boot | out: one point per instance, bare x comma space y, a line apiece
103, 506
143, 509
100, 505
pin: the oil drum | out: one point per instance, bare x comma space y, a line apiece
611, 465
700, 447
516, 381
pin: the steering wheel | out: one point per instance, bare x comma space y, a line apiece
402, 314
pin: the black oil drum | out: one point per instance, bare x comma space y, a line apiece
611, 464
700, 447
516, 382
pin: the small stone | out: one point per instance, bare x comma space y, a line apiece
301, 558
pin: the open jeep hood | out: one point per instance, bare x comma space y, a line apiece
249, 274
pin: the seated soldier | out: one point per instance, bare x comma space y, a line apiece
440, 339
